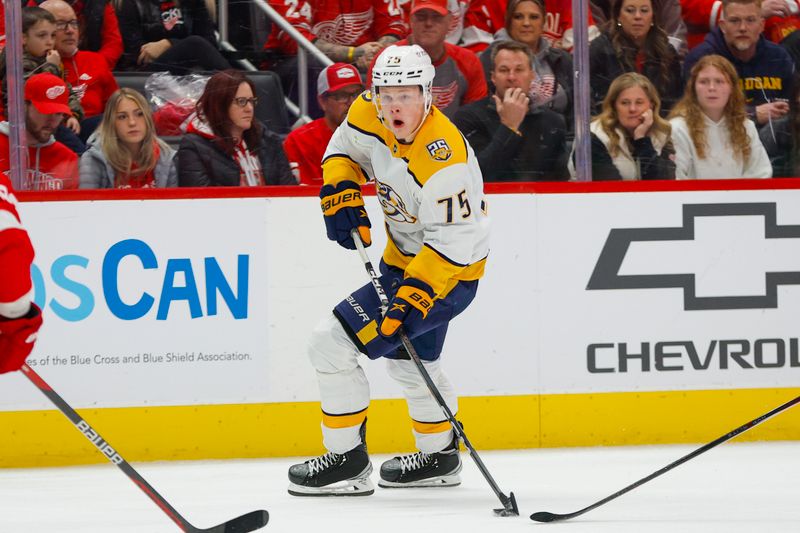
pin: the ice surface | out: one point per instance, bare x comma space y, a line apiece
734, 488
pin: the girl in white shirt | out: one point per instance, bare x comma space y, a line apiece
712, 136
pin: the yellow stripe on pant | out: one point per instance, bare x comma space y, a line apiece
344, 421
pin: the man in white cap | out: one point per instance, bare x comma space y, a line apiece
430, 187
337, 86
51, 165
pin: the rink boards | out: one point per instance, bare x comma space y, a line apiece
609, 314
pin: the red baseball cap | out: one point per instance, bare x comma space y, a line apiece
337, 76
48, 94
440, 6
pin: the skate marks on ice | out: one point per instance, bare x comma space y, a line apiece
738, 488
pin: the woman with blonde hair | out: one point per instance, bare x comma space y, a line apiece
712, 135
630, 140
124, 152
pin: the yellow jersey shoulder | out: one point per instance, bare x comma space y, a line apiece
438, 145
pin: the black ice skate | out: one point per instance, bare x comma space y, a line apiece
334, 474
421, 469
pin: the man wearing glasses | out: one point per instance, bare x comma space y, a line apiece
99, 27
87, 72
337, 86
764, 67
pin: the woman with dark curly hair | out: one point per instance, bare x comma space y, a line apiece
633, 41
225, 145
712, 135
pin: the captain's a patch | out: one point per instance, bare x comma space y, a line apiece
439, 150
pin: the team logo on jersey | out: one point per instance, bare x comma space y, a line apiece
439, 150
393, 206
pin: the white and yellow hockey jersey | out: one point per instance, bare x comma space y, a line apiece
431, 191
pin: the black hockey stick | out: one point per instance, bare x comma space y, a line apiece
242, 524
509, 502
544, 516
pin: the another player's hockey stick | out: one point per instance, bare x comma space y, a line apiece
509, 502
242, 524
544, 516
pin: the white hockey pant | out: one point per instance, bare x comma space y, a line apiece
344, 388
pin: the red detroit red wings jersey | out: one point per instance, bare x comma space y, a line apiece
91, 80
52, 167
304, 148
16, 252
342, 22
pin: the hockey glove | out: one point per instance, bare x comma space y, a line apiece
17, 337
343, 210
410, 304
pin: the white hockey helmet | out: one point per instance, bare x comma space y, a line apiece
403, 66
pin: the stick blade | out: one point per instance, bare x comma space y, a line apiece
544, 516
241, 524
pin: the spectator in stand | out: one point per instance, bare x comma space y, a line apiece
552, 85
712, 135
125, 152
51, 165
87, 72
353, 31
514, 141
634, 41
630, 140
168, 35
457, 8
39, 55
338, 86
99, 28
459, 79
764, 68
668, 12
487, 17
347, 31
782, 20
782, 142
225, 145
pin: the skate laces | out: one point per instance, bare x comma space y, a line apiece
414, 461
318, 464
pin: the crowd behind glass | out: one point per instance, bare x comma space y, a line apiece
679, 90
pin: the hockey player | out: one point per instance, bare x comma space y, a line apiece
20, 318
430, 187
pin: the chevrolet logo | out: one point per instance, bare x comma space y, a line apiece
607, 275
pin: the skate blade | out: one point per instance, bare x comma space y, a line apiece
349, 487
441, 481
